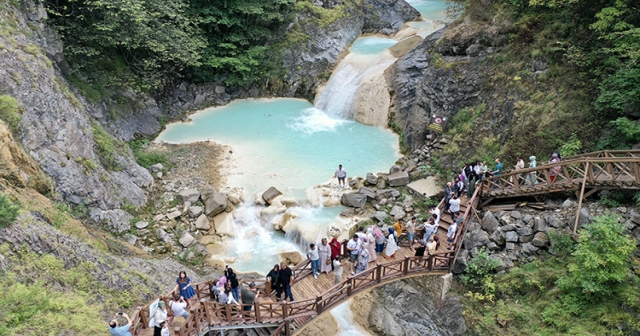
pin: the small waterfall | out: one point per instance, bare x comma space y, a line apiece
347, 326
336, 98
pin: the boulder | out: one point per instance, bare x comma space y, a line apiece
189, 195
493, 246
397, 212
525, 231
163, 235
527, 219
348, 212
186, 239
384, 193
224, 225
529, 248
156, 167
539, 225
399, 179
500, 266
291, 257
370, 193
289, 202
511, 237
568, 204
141, 225
380, 216
394, 170
354, 200
207, 192
116, 221
174, 214
635, 217
489, 222
516, 214
508, 227
195, 211
215, 204
270, 194
555, 221
202, 223
498, 237
131, 239
371, 179
510, 246
461, 262
540, 240
476, 239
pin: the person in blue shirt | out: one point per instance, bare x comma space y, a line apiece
117, 330
498, 170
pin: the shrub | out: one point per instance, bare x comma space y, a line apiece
601, 261
562, 242
479, 269
107, 147
8, 211
146, 158
10, 113
571, 146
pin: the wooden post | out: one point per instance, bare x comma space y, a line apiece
584, 183
318, 304
267, 287
287, 328
405, 266
378, 273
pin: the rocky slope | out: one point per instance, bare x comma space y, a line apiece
56, 129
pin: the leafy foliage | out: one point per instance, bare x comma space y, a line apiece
8, 211
145, 157
478, 274
571, 146
602, 260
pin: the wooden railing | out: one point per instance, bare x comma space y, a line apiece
211, 314
600, 170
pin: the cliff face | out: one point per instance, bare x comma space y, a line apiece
55, 128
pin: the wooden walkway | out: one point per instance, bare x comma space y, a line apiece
312, 296
592, 171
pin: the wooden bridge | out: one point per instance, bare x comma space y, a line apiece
585, 173
312, 296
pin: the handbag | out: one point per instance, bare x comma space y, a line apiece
328, 261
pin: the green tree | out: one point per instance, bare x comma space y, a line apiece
8, 211
139, 43
601, 261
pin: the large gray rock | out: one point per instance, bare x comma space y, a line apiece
141, 225
555, 221
207, 192
380, 216
498, 237
511, 237
115, 221
368, 192
215, 204
384, 193
461, 262
162, 235
476, 239
397, 212
529, 248
202, 223
186, 239
540, 240
174, 214
539, 225
270, 194
371, 179
195, 211
489, 222
189, 195
399, 179
354, 200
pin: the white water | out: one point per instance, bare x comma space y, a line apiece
343, 316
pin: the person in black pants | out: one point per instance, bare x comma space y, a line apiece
272, 277
285, 278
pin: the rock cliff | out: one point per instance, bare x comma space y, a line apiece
55, 127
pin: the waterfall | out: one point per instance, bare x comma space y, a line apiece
347, 326
336, 98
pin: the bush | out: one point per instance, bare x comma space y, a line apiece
601, 261
10, 113
147, 158
8, 211
107, 147
479, 270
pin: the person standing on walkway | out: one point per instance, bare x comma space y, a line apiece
353, 246
286, 281
159, 316
337, 271
451, 233
325, 256
411, 231
553, 172
314, 256
482, 170
341, 174
184, 288
232, 278
448, 192
272, 278
371, 244
392, 245
120, 330
531, 177
363, 259
336, 249
398, 226
430, 229
454, 206
380, 239
248, 296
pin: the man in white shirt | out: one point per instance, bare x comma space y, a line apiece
430, 229
177, 307
353, 246
341, 174
454, 206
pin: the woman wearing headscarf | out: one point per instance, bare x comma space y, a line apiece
325, 256
392, 246
363, 259
371, 244
233, 279
336, 249
380, 239
531, 177
159, 316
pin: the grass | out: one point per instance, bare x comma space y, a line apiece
93, 92
10, 113
108, 148
147, 158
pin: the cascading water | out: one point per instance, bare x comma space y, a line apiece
343, 316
